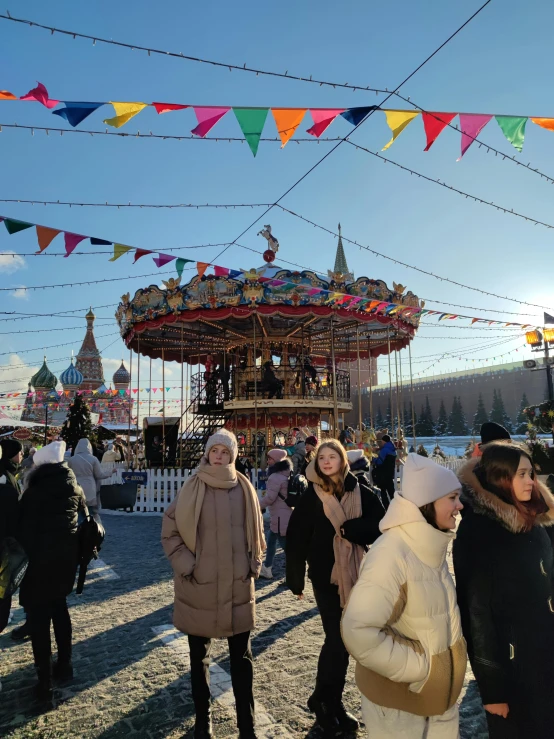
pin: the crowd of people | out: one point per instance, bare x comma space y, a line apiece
377, 567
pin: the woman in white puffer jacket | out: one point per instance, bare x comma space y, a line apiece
402, 623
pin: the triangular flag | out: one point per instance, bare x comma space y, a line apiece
180, 265
513, 128
122, 392
118, 251
434, 124
40, 94
547, 123
167, 389
397, 120
287, 121
251, 122
221, 272
154, 389
234, 273
356, 115
166, 107
548, 318
45, 236
140, 253
99, 242
13, 226
124, 112
207, 118
163, 259
471, 124
5, 95
323, 118
75, 113
202, 267
71, 241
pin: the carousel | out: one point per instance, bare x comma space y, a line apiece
265, 351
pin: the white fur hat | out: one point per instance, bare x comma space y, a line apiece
226, 439
51, 454
424, 481
354, 455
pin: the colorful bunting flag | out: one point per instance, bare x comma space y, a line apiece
100, 242
356, 115
471, 125
45, 236
180, 265
434, 124
322, 119
140, 253
71, 241
166, 107
287, 121
547, 123
124, 112
397, 120
234, 273
221, 272
207, 118
75, 113
40, 94
162, 259
5, 95
118, 251
513, 128
13, 226
201, 267
251, 122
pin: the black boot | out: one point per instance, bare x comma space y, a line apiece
347, 722
21, 633
43, 689
325, 713
203, 726
63, 671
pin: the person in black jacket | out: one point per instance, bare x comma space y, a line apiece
11, 454
49, 511
503, 561
330, 529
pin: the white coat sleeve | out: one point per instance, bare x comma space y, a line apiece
369, 608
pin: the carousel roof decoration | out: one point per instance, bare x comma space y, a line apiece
44, 379
71, 377
215, 313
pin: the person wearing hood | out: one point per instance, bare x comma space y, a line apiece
311, 446
503, 563
490, 431
275, 498
402, 624
330, 529
298, 451
111, 455
49, 511
213, 535
88, 472
10, 491
385, 469
359, 466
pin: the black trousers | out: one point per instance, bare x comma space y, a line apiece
333, 658
242, 676
5, 607
40, 617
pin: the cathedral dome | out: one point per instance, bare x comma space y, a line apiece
121, 378
44, 379
71, 377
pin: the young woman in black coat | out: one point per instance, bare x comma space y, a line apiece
330, 529
503, 561
49, 511
10, 490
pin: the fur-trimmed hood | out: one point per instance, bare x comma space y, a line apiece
281, 467
486, 503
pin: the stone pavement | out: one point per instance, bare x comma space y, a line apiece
131, 666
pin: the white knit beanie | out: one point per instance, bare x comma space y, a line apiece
226, 439
50, 454
424, 481
354, 455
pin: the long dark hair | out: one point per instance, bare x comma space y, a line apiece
496, 470
329, 485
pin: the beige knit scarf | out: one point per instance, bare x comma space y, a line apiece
191, 498
348, 556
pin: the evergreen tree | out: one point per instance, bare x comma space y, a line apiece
408, 425
442, 422
457, 425
480, 416
426, 426
498, 412
522, 420
379, 422
78, 424
389, 420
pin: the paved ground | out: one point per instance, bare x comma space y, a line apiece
131, 667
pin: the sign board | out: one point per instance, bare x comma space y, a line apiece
262, 480
22, 434
141, 478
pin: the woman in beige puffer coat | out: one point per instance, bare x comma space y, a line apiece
402, 624
213, 536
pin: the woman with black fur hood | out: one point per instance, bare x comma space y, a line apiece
504, 568
279, 468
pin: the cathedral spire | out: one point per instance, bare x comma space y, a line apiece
88, 361
340, 260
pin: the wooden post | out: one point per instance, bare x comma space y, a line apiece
412, 395
129, 415
359, 379
163, 408
335, 401
138, 396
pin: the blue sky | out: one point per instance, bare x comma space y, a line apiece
501, 63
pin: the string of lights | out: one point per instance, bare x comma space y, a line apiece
409, 266
53, 346
197, 206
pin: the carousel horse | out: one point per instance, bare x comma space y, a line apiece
272, 242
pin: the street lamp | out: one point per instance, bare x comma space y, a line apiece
535, 339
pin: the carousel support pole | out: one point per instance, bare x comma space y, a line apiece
390, 380
370, 384
150, 390
335, 401
138, 396
163, 409
359, 379
182, 401
255, 403
397, 391
412, 397
129, 414
401, 390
